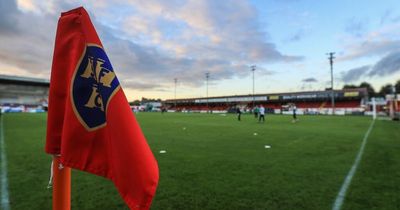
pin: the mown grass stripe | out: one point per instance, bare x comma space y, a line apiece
337, 205
5, 203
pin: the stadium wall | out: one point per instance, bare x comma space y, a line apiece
23, 91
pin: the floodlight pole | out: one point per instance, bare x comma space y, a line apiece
253, 68
207, 77
176, 81
331, 57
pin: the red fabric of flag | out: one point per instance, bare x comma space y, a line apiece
90, 124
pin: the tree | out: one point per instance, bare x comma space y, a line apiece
135, 103
349, 86
397, 86
386, 89
370, 89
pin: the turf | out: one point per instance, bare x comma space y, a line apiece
377, 182
215, 162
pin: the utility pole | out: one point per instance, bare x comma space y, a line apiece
253, 68
207, 77
176, 81
331, 57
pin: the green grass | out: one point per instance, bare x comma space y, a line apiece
216, 162
377, 182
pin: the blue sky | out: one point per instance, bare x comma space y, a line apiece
152, 42
313, 28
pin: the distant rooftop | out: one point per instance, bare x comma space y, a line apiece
8, 79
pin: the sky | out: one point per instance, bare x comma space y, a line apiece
152, 42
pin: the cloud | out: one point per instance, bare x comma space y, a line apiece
8, 16
356, 26
378, 42
147, 64
355, 74
371, 48
201, 31
309, 80
149, 42
297, 36
387, 65
138, 85
385, 16
26, 45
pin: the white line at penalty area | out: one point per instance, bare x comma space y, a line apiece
5, 203
337, 205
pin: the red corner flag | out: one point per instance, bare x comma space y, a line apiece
90, 124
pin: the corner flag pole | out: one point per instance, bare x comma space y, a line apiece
61, 185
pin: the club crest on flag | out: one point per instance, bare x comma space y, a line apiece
93, 85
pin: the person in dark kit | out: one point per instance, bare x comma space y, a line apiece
294, 109
261, 113
239, 113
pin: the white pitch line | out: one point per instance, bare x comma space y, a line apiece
342, 193
5, 203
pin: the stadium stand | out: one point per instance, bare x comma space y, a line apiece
23, 94
347, 101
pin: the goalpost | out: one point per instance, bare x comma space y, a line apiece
374, 111
391, 108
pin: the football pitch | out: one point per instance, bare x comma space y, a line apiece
212, 161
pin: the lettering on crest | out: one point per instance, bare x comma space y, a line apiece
93, 86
